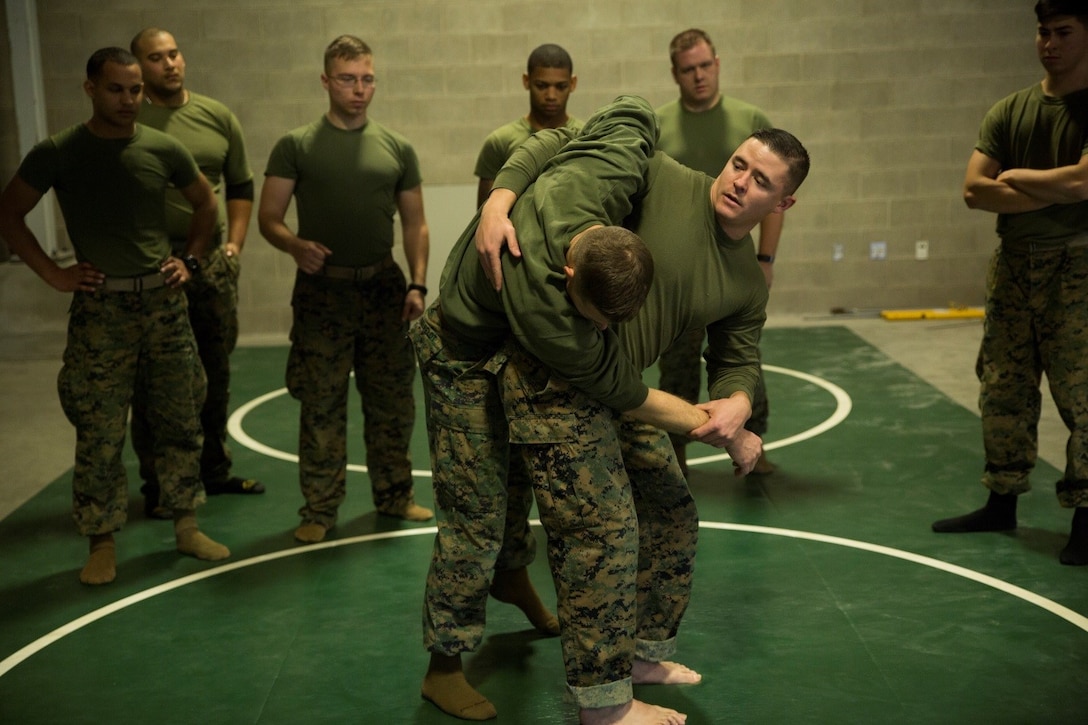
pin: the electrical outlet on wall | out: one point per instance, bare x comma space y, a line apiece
837, 253
921, 250
878, 250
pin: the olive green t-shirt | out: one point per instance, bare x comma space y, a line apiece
112, 193
214, 137
346, 186
704, 141
501, 142
1030, 130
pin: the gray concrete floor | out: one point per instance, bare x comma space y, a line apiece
38, 443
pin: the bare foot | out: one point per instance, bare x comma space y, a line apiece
634, 712
663, 673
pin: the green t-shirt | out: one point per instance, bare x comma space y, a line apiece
346, 186
705, 141
501, 142
112, 193
702, 278
1030, 130
214, 137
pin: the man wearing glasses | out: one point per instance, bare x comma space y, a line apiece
352, 304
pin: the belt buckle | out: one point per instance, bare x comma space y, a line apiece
362, 274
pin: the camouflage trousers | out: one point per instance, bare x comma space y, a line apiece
483, 497
620, 521
1036, 322
342, 327
213, 315
117, 341
681, 374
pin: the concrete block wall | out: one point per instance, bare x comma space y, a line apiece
886, 96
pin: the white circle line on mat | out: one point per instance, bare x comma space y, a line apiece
843, 406
6, 665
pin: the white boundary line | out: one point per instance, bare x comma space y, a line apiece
1074, 618
842, 409
843, 406
44, 641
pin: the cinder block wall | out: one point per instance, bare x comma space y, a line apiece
886, 95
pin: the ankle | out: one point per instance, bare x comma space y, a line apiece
444, 664
101, 541
510, 583
1002, 501
184, 519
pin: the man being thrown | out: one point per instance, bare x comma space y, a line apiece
566, 438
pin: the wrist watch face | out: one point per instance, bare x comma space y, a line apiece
192, 263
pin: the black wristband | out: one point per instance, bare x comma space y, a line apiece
768, 258
422, 289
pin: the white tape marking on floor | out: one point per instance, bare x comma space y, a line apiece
843, 406
41, 643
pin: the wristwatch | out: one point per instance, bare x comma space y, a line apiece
768, 258
191, 263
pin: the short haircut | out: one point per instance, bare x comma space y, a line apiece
613, 270
140, 37
688, 40
113, 54
345, 47
549, 55
786, 146
1049, 9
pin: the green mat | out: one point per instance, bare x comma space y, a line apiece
821, 594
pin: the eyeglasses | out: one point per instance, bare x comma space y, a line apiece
347, 81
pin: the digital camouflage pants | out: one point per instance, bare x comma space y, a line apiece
117, 340
1036, 322
213, 315
620, 522
341, 327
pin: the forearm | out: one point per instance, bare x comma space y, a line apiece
416, 251
770, 231
499, 202
668, 412
995, 196
1064, 185
239, 212
202, 230
279, 235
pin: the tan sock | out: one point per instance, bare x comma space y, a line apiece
513, 586
101, 566
310, 533
445, 685
193, 541
410, 512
